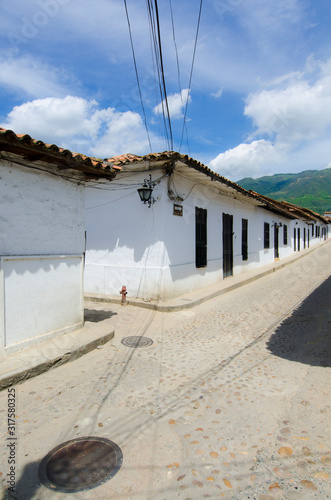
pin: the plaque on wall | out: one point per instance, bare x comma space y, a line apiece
178, 210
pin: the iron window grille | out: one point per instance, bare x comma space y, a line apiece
266, 235
200, 237
285, 234
244, 239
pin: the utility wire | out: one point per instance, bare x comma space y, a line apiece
162, 72
154, 20
189, 85
162, 130
155, 57
178, 68
137, 76
174, 39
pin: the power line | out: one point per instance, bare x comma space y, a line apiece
161, 129
162, 72
177, 60
154, 19
189, 86
155, 57
174, 39
137, 76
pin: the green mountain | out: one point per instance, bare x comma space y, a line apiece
309, 189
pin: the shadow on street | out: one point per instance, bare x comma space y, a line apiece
95, 316
305, 336
27, 485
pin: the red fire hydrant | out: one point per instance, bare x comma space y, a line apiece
123, 292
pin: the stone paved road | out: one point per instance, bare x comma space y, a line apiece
232, 399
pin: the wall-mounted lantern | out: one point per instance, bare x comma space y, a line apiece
145, 192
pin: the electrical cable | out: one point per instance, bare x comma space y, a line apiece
137, 76
178, 66
154, 20
155, 58
109, 202
175, 44
113, 186
59, 173
162, 72
189, 86
161, 130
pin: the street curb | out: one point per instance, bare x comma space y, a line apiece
163, 307
68, 354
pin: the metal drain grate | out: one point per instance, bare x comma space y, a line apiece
137, 341
80, 464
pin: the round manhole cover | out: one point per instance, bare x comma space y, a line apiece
80, 464
137, 341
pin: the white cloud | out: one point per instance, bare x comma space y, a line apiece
248, 160
52, 118
267, 22
245, 40
26, 74
79, 125
176, 104
217, 94
296, 116
122, 133
299, 112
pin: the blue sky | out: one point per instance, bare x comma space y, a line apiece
259, 102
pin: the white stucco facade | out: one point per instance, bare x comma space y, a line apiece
152, 251
42, 240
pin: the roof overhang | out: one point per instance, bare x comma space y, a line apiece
197, 172
34, 152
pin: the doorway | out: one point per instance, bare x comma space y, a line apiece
227, 245
276, 241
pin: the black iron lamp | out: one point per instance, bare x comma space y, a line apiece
145, 192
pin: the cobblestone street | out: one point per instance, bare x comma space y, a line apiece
232, 399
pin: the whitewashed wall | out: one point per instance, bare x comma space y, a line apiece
42, 239
152, 252
40, 213
182, 274
124, 240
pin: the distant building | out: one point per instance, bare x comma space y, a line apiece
42, 239
202, 228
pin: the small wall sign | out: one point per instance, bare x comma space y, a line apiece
178, 210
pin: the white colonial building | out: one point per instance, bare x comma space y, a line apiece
42, 239
201, 228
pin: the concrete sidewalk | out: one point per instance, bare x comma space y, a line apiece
19, 366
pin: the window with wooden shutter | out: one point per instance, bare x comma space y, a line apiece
200, 237
266, 235
285, 234
244, 239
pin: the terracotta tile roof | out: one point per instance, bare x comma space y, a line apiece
295, 211
34, 150
173, 156
310, 214
168, 156
280, 207
277, 206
